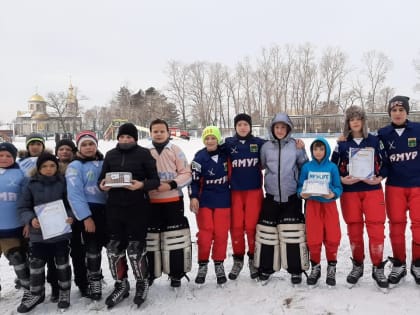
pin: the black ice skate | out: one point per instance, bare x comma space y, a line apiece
253, 271
95, 289
296, 278
220, 273
331, 269
202, 273
415, 271
379, 276
121, 291
398, 271
142, 288
238, 264
64, 300
29, 301
314, 276
355, 274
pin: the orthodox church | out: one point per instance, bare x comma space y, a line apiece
48, 123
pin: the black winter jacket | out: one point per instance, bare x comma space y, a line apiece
142, 166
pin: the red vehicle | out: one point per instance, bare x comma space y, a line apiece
177, 132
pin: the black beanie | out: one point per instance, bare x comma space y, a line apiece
66, 142
6, 146
128, 129
44, 157
399, 101
243, 117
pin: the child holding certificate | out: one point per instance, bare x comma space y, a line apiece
322, 221
362, 201
400, 142
128, 212
11, 227
47, 187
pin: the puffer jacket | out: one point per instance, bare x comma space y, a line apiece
282, 162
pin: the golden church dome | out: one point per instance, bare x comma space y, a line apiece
36, 98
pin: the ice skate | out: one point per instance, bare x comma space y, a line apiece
120, 292
379, 277
238, 264
355, 274
312, 280
398, 272
220, 273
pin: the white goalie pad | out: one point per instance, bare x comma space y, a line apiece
153, 253
293, 246
267, 236
176, 240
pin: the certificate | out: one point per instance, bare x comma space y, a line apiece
315, 187
118, 179
52, 217
361, 162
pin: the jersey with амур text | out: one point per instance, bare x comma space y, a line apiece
210, 180
401, 154
244, 157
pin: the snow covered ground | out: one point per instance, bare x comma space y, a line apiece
243, 296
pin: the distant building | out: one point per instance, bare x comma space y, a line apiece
38, 119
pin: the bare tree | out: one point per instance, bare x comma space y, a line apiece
332, 68
178, 81
377, 66
58, 102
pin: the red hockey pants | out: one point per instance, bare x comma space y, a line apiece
322, 227
213, 228
363, 207
398, 201
246, 208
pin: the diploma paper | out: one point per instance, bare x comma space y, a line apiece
361, 162
52, 217
315, 187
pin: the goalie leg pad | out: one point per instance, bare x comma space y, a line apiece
267, 248
294, 252
176, 252
154, 254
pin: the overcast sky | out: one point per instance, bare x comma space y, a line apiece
104, 44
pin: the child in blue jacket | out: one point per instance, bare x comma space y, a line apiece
322, 221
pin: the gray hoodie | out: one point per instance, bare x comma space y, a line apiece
282, 162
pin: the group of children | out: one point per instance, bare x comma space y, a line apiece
227, 178
143, 222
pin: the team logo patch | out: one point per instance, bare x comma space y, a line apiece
253, 147
381, 145
412, 142
195, 166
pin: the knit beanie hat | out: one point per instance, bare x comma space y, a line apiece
128, 129
355, 112
44, 157
66, 142
6, 146
35, 137
213, 131
243, 117
399, 101
85, 135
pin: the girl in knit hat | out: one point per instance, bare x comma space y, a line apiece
210, 201
362, 201
400, 143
